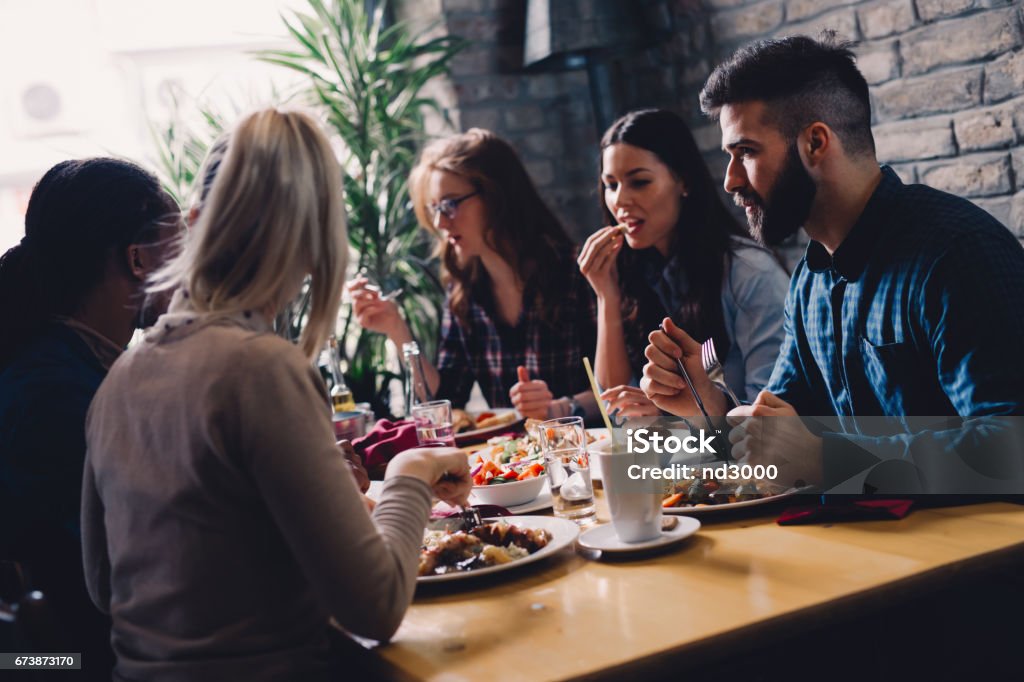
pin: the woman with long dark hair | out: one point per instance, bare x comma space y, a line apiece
71, 296
671, 248
518, 317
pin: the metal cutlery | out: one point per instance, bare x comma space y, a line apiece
372, 285
714, 369
696, 396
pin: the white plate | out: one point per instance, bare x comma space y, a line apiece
542, 501
563, 533
712, 508
468, 437
604, 539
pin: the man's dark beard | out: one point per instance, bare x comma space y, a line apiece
787, 206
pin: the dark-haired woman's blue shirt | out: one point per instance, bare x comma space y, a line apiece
753, 297
45, 394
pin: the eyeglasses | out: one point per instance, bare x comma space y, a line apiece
449, 208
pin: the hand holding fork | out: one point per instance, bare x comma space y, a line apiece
675, 378
715, 371
376, 311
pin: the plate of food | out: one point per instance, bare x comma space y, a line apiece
706, 496
499, 544
472, 427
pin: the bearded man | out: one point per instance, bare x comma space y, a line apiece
903, 320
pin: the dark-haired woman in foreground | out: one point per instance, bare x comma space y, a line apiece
518, 317
221, 525
71, 296
672, 249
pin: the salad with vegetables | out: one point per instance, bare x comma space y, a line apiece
506, 460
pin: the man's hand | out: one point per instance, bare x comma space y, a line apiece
770, 432
662, 382
531, 397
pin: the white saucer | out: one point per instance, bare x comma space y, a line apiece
603, 537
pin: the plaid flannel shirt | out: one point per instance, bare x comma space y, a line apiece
488, 351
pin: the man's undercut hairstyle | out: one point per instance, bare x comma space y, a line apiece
801, 80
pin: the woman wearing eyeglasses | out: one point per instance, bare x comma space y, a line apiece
518, 315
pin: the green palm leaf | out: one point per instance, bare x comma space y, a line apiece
368, 78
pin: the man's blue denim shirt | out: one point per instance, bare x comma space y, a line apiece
919, 312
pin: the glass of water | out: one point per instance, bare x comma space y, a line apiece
434, 423
564, 444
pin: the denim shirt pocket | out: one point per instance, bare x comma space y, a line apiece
889, 369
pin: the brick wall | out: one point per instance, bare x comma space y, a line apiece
546, 117
946, 76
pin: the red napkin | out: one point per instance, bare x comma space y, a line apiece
856, 510
385, 440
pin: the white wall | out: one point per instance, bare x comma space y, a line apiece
105, 67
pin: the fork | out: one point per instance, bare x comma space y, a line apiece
471, 518
390, 296
714, 369
693, 391
372, 285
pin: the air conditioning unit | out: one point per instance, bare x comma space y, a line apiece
45, 104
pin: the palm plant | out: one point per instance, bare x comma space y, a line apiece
181, 146
369, 78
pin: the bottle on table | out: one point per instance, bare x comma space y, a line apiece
416, 389
348, 422
341, 396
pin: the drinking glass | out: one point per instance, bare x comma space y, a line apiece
434, 423
564, 444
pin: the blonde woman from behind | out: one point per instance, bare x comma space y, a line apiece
221, 526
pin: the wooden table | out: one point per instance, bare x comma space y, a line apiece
571, 616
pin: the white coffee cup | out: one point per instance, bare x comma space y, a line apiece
635, 505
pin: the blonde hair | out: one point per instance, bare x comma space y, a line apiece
274, 214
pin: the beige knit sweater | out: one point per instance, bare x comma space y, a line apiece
221, 526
